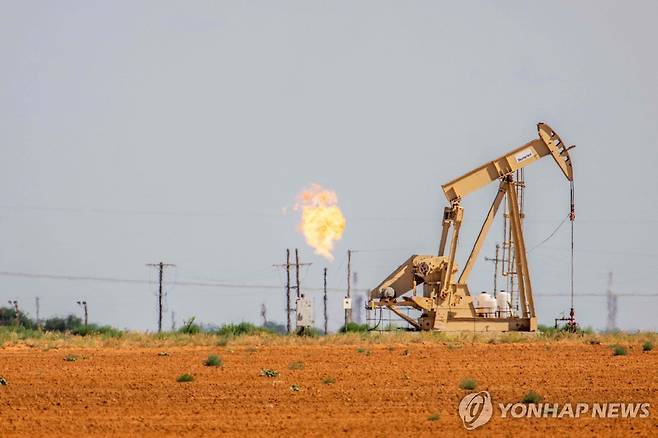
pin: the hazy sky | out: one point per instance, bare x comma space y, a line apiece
140, 131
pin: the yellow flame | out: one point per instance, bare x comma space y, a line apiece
322, 222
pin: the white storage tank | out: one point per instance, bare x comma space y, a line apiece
486, 304
503, 302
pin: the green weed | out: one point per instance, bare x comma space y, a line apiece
531, 397
183, 378
468, 384
214, 361
618, 350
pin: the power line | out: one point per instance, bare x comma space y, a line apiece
127, 212
604, 251
71, 277
255, 286
549, 236
176, 283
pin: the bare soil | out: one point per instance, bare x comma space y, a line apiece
378, 390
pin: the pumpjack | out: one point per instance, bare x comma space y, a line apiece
445, 302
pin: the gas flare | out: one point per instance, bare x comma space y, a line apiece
322, 223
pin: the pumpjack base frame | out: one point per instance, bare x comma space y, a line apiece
478, 324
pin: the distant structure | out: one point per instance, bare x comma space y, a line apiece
358, 301
612, 306
83, 304
263, 313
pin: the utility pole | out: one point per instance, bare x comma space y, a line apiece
160, 267
287, 266
37, 306
612, 306
299, 286
299, 292
288, 309
17, 318
83, 304
495, 276
348, 312
326, 318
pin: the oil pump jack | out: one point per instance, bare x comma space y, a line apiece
445, 302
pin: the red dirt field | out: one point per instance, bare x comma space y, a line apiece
380, 389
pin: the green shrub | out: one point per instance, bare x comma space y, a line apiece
58, 324
243, 328
268, 372
647, 346
468, 384
214, 361
70, 358
531, 397
163, 353
185, 378
8, 318
561, 331
94, 329
70, 323
189, 327
18, 333
354, 327
547, 331
434, 417
618, 350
